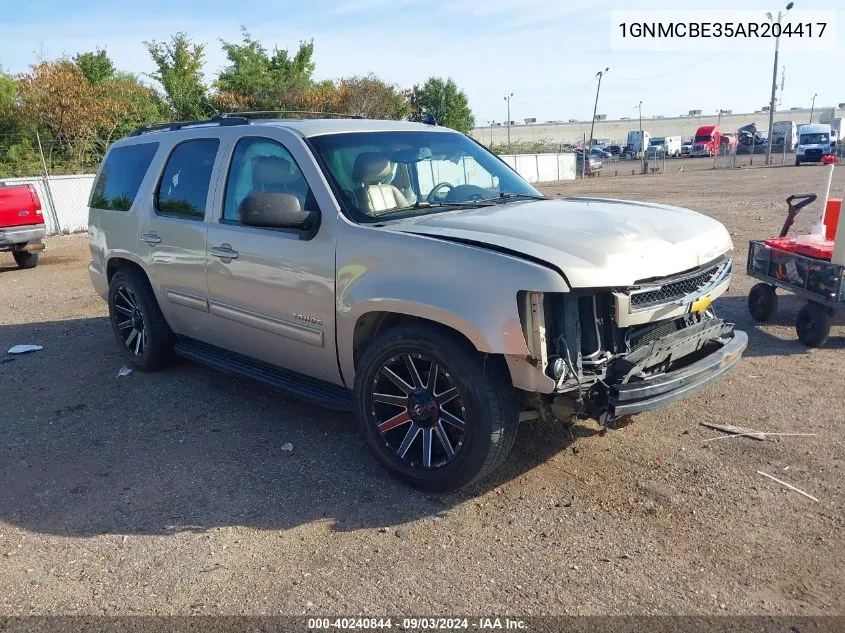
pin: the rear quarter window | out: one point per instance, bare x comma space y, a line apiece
121, 176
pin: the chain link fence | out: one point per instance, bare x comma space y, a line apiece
61, 172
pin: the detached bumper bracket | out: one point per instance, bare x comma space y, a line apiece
639, 396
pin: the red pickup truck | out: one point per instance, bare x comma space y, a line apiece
21, 224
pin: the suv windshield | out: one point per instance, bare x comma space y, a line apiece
813, 139
404, 173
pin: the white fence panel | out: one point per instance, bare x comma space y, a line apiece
542, 167
69, 200
566, 167
526, 166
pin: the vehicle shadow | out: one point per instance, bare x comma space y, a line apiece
85, 452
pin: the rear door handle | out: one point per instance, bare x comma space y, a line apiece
224, 252
151, 238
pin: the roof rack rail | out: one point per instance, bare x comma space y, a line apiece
256, 114
178, 125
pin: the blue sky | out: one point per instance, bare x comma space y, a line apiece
544, 51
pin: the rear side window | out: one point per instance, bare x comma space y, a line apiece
121, 176
183, 188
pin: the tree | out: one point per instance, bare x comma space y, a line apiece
442, 100
266, 82
371, 97
96, 66
57, 98
179, 64
125, 104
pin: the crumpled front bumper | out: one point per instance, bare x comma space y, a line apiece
644, 395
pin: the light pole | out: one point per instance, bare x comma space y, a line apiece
774, 80
599, 75
508, 99
491, 133
813, 107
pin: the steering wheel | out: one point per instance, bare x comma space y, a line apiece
438, 187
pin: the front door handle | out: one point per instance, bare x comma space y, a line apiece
151, 238
224, 252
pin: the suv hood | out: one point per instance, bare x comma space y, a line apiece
594, 242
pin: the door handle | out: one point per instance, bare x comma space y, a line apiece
151, 238
224, 252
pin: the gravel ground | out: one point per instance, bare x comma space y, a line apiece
168, 493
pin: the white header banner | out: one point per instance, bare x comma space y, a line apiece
730, 31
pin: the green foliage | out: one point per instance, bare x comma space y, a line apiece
442, 100
96, 66
267, 81
179, 64
78, 106
371, 97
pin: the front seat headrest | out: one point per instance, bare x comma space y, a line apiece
272, 170
371, 168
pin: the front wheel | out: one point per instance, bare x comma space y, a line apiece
437, 414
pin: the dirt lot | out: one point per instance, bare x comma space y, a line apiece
169, 492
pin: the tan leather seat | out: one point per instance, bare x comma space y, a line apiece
373, 195
274, 173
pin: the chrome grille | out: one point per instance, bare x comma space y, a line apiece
675, 290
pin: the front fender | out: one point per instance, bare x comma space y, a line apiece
468, 288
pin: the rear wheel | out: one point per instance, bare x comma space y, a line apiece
813, 325
437, 414
25, 259
762, 302
142, 333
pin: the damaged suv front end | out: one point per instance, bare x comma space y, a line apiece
614, 352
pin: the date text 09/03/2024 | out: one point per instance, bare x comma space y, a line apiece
431, 624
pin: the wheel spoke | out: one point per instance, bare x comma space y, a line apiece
410, 436
131, 338
124, 324
447, 396
127, 299
415, 375
454, 420
396, 380
444, 439
124, 311
433, 373
427, 435
396, 420
386, 398
138, 340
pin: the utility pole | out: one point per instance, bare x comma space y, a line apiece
813, 107
642, 139
508, 99
491, 133
774, 81
599, 75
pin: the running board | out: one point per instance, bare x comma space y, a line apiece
303, 387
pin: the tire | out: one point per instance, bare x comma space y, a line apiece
813, 325
133, 308
762, 302
25, 259
797, 163
486, 403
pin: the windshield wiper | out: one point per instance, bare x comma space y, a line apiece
511, 195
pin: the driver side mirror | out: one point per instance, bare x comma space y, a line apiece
273, 210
